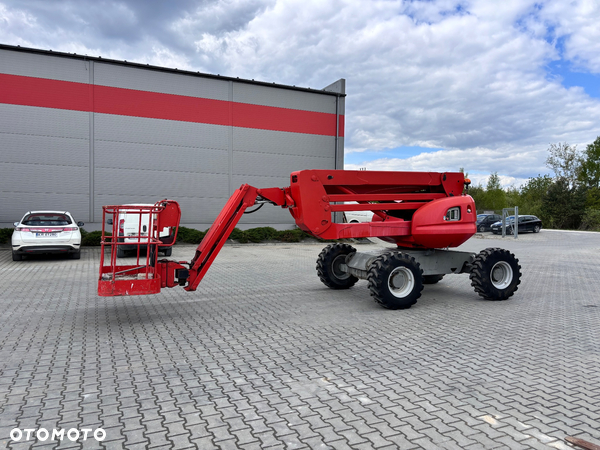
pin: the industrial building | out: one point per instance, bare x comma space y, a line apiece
80, 132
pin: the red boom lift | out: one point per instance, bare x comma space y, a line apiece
422, 213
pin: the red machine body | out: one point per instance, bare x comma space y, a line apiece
411, 209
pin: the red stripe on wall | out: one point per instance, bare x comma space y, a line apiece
45, 93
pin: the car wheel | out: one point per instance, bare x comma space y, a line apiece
76, 255
536, 229
167, 251
481, 229
120, 252
17, 257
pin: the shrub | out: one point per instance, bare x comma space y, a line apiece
240, 236
5, 235
190, 235
261, 234
296, 235
92, 238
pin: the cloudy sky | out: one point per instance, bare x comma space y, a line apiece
432, 85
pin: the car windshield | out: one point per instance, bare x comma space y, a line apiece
46, 219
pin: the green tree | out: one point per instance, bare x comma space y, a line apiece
495, 197
532, 195
565, 160
590, 165
478, 194
564, 205
513, 198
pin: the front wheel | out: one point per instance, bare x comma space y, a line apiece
395, 280
495, 274
329, 266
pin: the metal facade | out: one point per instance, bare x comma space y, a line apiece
77, 133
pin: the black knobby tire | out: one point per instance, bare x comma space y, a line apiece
328, 266
17, 257
495, 274
121, 252
432, 279
167, 251
395, 280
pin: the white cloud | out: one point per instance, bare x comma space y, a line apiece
577, 23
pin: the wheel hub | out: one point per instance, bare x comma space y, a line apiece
401, 282
338, 267
501, 275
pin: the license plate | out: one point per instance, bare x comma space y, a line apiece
46, 234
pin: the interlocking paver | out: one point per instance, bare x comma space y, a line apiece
263, 355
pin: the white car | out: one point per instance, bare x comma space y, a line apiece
46, 232
130, 223
357, 216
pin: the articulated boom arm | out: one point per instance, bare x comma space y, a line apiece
411, 209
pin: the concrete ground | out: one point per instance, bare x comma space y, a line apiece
263, 355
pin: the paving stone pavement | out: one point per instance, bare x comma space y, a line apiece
263, 355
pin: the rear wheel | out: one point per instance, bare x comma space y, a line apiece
17, 257
536, 229
329, 267
495, 274
167, 251
481, 228
395, 280
121, 253
76, 255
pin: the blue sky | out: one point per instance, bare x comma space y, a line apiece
563, 72
431, 85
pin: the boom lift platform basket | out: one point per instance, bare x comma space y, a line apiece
141, 277
422, 213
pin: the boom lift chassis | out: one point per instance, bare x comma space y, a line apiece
422, 213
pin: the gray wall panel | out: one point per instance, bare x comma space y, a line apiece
155, 81
251, 163
193, 209
281, 143
17, 119
164, 132
16, 203
283, 98
167, 158
159, 184
43, 66
44, 150
40, 178
41, 186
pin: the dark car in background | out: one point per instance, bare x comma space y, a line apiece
485, 221
526, 223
